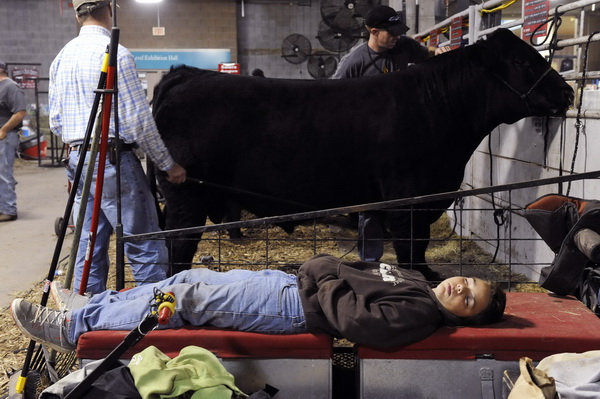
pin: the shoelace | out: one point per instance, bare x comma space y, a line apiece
45, 315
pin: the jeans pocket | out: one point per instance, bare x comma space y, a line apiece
290, 309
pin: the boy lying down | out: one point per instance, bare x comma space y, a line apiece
369, 303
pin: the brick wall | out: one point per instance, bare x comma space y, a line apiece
189, 24
262, 30
35, 30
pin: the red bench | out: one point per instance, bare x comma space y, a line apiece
470, 362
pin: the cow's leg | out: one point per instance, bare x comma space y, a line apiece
411, 238
182, 249
234, 214
184, 208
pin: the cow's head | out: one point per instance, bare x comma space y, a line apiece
523, 71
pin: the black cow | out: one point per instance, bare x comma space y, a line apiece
332, 143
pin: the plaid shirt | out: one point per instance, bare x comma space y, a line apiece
74, 75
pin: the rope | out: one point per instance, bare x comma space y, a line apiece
500, 7
578, 123
546, 131
555, 23
498, 213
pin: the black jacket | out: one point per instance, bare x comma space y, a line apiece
369, 303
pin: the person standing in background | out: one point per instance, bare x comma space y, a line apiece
12, 112
387, 50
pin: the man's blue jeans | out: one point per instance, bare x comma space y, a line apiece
149, 258
8, 195
265, 301
370, 236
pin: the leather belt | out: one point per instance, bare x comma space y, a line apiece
112, 146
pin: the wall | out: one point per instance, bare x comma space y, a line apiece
254, 30
518, 155
187, 23
34, 31
262, 28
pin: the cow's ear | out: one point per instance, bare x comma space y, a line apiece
501, 40
485, 52
497, 46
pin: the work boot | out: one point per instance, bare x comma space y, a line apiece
47, 326
66, 299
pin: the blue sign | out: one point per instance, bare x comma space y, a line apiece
164, 59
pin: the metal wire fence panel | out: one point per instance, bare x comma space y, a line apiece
511, 253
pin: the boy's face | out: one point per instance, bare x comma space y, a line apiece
463, 296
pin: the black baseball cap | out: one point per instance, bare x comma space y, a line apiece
384, 17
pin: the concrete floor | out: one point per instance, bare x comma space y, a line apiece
27, 245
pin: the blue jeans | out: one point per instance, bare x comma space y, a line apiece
265, 301
149, 258
370, 236
8, 195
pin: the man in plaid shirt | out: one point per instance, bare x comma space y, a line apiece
74, 76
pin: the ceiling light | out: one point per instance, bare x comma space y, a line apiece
148, 1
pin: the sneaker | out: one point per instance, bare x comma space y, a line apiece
7, 218
47, 326
66, 299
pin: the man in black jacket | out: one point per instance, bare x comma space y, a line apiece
369, 303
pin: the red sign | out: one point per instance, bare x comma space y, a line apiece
535, 12
25, 77
229, 67
456, 33
433, 38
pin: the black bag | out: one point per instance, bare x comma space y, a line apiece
557, 218
589, 289
116, 383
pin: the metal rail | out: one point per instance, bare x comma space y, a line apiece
474, 15
474, 12
404, 202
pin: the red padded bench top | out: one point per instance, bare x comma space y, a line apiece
535, 325
223, 343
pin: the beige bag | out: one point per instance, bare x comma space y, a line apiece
532, 383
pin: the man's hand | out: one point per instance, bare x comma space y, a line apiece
440, 50
3, 133
176, 174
